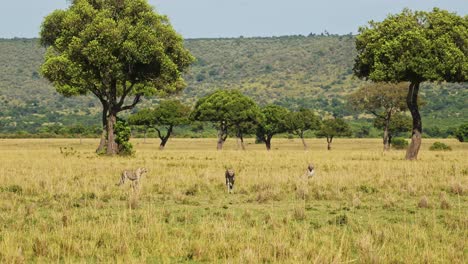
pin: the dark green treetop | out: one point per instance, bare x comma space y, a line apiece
299, 122
228, 109
167, 115
332, 128
273, 122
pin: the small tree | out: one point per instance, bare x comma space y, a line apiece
331, 128
166, 115
273, 122
78, 130
399, 123
299, 122
228, 110
414, 47
462, 133
117, 50
381, 100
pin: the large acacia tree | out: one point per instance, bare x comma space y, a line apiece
414, 47
383, 100
118, 50
227, 109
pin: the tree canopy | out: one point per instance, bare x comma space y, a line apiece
167, 115
273, 122
114, 50
383, 100
332, 128
414, 47
399, 123
228, 109
298, 122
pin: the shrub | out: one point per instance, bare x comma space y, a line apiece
399, 143
122, 137
440, 146
462, 133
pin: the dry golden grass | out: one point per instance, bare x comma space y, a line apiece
362, 206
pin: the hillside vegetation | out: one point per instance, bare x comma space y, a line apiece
295, 71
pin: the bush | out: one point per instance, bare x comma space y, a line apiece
462, 133
440, 146
122, 136
399, 143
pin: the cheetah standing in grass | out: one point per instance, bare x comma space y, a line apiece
133, 176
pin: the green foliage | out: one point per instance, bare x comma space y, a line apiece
307, 72
273, 121
462, 133
379, 99
440, 146
399, 123
414, 47
91, 49
300, 121
335, 127
167, 113
227, 109
399, 143
123, 132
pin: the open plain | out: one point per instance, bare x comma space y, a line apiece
59, 203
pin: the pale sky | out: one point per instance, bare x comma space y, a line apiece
233, 18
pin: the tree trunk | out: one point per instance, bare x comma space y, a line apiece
102, 143
220, 139
385, 135
165, 138
163, 144
412, 102
390, 139
242, 142
329, 141
303, 141
112, 147
268, 143
386, 140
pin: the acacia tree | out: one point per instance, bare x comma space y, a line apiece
228, 109
414, 47
398, 124
117, 50
273, 122
299, 122
383, 100
165, 116
332, 128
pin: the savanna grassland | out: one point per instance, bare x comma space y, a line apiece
59, 203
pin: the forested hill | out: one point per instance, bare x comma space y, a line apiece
295, 71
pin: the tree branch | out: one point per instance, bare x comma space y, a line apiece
136, 100
126, 91
159, 133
